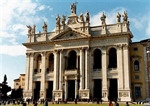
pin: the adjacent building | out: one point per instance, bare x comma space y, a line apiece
82, 61
19, 82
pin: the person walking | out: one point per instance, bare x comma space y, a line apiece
116, 103
110, 103
127, 104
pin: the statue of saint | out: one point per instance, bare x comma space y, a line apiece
87, 16
63, 20
57, 20
125, 17
45, 27
29, 29
81, 17
118, 17
73, 8
103, 19
33, 29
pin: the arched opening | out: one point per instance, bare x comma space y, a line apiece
136, 65
97, 60
72, 60
50, 63
38, 64
112, 58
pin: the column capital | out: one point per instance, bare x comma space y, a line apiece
125, 46
119, 47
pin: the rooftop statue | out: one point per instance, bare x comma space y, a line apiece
125, 17
29, 29
73, 8
45, 27
63, 20
57, 20
87, 16
103, 19
33, 29
81, 17
118, 17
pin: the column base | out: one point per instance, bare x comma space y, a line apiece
84, 94
124, 95
42, 94
105, 95
27, 94
58, 94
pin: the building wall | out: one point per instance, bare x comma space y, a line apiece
19, 82
138, 76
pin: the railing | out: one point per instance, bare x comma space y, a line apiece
97, 69
71, 72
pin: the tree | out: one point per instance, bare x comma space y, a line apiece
5, 88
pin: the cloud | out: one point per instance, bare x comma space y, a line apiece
110, 16
15, 16
13, 50
148, 29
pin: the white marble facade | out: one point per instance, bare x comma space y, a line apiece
77, 39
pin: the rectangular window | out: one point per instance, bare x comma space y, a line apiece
136, 77
17, 84
137, 90
136, 67
135, 49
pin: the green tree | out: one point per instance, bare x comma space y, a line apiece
5, 88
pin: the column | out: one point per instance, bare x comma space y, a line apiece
120, 67
27, 71
104, 75
66, 88
126, 67
31, 72
61, 71
43, 74
76, 87
81, 69
104, 69
55, 86
87, 68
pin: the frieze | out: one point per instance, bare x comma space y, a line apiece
46, 47
123, 94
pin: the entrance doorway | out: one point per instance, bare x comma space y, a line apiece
97, 89
49, 91
37, 90
113, 90
71, 90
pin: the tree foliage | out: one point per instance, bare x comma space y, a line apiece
5, 88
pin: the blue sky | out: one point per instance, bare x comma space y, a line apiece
16, 14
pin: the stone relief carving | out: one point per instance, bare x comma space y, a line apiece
123, 94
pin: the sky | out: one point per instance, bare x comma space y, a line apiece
16, 14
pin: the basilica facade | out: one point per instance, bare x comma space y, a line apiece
78, 60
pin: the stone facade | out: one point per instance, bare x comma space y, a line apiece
79, 57
20, 82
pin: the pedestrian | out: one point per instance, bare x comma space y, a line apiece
35, 103
110, 103
116, 103
127, 104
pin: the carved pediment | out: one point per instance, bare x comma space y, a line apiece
70, 34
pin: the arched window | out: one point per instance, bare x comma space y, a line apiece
112, 58
136, 65
38, 64
50, 63
72, 60
97, 60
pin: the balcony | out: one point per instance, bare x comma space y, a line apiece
96, 73
112, 72
71, 72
